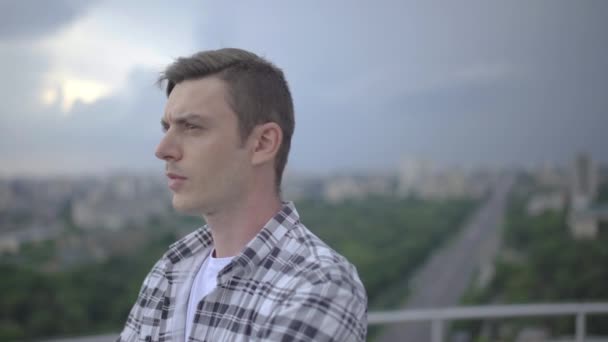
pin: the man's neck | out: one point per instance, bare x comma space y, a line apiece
233, 227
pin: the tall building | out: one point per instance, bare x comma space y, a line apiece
584, 182
549, 175
413, 173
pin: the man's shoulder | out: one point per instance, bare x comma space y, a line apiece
304, 255
303, 242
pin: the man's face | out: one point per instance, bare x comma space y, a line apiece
208, 166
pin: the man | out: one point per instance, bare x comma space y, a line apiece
254, 271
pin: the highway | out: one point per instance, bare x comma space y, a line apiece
444, 277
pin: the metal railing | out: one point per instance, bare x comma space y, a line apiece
439, 316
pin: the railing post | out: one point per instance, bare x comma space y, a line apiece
580, 327
437, 330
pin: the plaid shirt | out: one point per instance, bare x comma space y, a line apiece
286, 285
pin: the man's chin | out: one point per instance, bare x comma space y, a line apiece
185, 207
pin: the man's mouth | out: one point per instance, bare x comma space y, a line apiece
175, 181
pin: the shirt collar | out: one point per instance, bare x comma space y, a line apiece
252, 254
265, 241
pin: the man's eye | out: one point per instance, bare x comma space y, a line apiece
190, 126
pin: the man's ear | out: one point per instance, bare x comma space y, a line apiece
268, 138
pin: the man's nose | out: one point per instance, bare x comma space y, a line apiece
168, 148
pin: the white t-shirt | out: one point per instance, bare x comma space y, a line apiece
204, 282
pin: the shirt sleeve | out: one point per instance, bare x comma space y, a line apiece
331, 310
133, 323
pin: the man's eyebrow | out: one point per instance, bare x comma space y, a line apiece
183, 118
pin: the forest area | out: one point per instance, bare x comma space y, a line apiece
541, 262
385, 237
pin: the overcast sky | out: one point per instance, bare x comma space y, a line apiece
375, 82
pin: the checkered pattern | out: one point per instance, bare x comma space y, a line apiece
286, 285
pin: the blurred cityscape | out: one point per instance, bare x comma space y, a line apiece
38, 209
75, 227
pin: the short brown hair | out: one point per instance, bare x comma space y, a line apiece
258, 91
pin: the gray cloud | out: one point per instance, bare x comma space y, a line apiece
22, 70
464, 82
26, 19
23, 66
467, 82
118, 131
